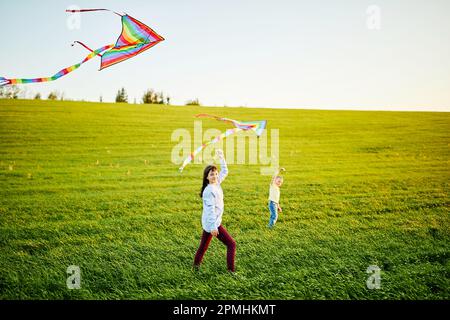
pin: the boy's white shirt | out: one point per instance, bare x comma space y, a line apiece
274, 193
213, 201
274, 190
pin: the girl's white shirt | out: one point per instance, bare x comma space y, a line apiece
213, 201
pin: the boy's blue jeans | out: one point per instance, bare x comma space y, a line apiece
273, 207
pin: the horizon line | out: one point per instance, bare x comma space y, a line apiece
331, 108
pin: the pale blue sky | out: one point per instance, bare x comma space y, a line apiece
266, 53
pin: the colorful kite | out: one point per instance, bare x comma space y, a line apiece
257, 126
135, 38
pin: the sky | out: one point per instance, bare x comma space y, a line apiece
324, 54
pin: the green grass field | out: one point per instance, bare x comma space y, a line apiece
93, 185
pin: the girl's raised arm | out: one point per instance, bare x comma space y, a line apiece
223, 166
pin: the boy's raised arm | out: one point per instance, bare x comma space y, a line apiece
276, 173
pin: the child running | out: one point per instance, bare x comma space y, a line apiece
213, 205
274, 197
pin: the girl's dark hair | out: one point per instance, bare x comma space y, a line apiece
205, 177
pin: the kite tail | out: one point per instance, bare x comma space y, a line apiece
59, 74
89, 10
204, 145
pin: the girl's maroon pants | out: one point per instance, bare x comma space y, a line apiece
223, 236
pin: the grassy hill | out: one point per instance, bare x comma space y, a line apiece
93, 185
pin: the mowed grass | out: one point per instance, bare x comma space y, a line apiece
93, 185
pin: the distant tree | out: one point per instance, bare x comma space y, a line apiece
148, 97
101, 99
122, 96
37, 96
168, 100
53, 95
194, 102
15, 91
9, 92
160, 98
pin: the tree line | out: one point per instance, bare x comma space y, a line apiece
14, 92
150, 96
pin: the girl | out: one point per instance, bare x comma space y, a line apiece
212, 195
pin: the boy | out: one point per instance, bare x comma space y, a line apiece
274, 197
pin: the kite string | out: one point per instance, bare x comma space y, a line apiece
89, 10
82, 44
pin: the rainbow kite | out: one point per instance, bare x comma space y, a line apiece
257, 126
135, 38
